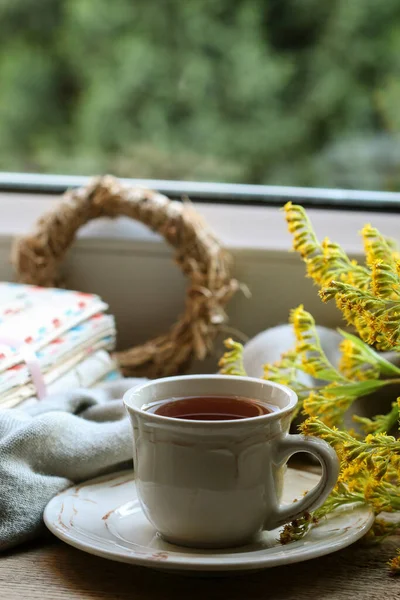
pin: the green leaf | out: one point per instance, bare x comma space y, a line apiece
361, 388
379, 423
386, 367
329, 375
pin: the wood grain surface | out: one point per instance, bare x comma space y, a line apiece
51, 570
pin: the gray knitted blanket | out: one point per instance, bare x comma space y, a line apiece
50, 446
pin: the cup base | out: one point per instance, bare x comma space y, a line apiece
206, 545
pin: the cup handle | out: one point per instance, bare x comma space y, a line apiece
325, 454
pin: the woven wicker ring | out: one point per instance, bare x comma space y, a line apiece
37, 259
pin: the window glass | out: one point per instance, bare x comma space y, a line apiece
280, 92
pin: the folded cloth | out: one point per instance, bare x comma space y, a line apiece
48, 446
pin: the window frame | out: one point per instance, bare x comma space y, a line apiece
223, 193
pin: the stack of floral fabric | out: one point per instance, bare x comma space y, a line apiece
52, 340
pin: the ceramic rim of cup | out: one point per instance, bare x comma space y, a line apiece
276, 414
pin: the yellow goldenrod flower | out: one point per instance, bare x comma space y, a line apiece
384, 280
326, 260
381, 529
394, 565
308, 347
369, 299
231, 362
377, 247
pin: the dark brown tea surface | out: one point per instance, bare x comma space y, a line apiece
209, 408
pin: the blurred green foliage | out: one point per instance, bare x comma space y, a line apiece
291, 92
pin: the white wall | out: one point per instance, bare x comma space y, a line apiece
134, 271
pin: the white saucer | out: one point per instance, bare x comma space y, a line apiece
103, 517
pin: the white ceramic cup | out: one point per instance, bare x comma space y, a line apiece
219, 483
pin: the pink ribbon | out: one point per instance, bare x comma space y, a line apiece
31, 361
